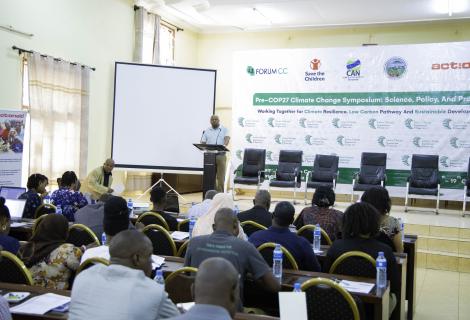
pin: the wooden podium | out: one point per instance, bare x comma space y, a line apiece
210, 164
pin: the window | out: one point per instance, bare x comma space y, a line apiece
167, 45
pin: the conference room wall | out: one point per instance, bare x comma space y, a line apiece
216, 50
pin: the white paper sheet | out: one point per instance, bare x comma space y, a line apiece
40, 304
355, 286
185, 306
103, 252
179, 235
18, 224
292, 306
118, 189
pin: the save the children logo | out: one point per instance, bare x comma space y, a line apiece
314, 74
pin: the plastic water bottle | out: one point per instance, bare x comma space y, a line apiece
236, 210
58, 209
130, 206
381, 264
47, 199
103, 238
402, 229
159, 277
277, 262
316, 238
192, 222
297, 287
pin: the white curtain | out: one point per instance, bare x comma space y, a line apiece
146, 50
59, 102
147, 37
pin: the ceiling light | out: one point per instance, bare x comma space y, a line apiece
450, 7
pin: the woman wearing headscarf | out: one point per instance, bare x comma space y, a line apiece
50, 259
204, 224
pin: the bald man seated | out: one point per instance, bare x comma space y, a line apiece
260, 212
216, 291
223, 242
122, 290
99, 181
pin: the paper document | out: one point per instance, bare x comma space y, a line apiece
180, 235
185, 306
355, 286
18, 224
118, 189
157, 261
292, 306
40, 304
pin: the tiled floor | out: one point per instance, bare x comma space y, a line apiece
442, 295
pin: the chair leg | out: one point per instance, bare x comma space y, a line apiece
438, 196
406, 196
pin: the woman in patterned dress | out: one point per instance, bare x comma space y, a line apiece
50, 259
68, 197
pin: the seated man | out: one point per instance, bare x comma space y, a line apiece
216, 291
224, 243
279, 232
92, 215
122, 290
158, 199
98, 181
115, 220
201, 209
260, 212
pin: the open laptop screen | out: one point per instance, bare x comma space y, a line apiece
11, 192
16, 208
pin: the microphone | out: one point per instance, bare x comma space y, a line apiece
203, 131
220, 129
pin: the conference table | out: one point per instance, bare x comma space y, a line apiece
51, 315
408, 268
256, 296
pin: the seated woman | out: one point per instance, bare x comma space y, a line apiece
67, 197
321, 212
36, 190
204, 225
360, 226
50, 259
390, 232
8, 243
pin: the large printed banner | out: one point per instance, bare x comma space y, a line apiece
12, 126
402, 100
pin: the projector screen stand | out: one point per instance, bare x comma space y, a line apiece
161, 180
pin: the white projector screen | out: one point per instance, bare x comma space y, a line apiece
159, 112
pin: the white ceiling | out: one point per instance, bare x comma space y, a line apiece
248, 15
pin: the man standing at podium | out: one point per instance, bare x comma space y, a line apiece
216, 134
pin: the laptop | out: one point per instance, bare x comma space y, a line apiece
11, 192
16, 208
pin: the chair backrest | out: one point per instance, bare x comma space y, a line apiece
91, 262
307, 232
254, 160
182, 250
163, 243
424, 171
172, 202
81, 235
250, 226
290, 163
178, 284
148, 218
327, 300
354, 263
36, 223
325, 168
183, 225
13, 269
43, 209
373, 166
288, 262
